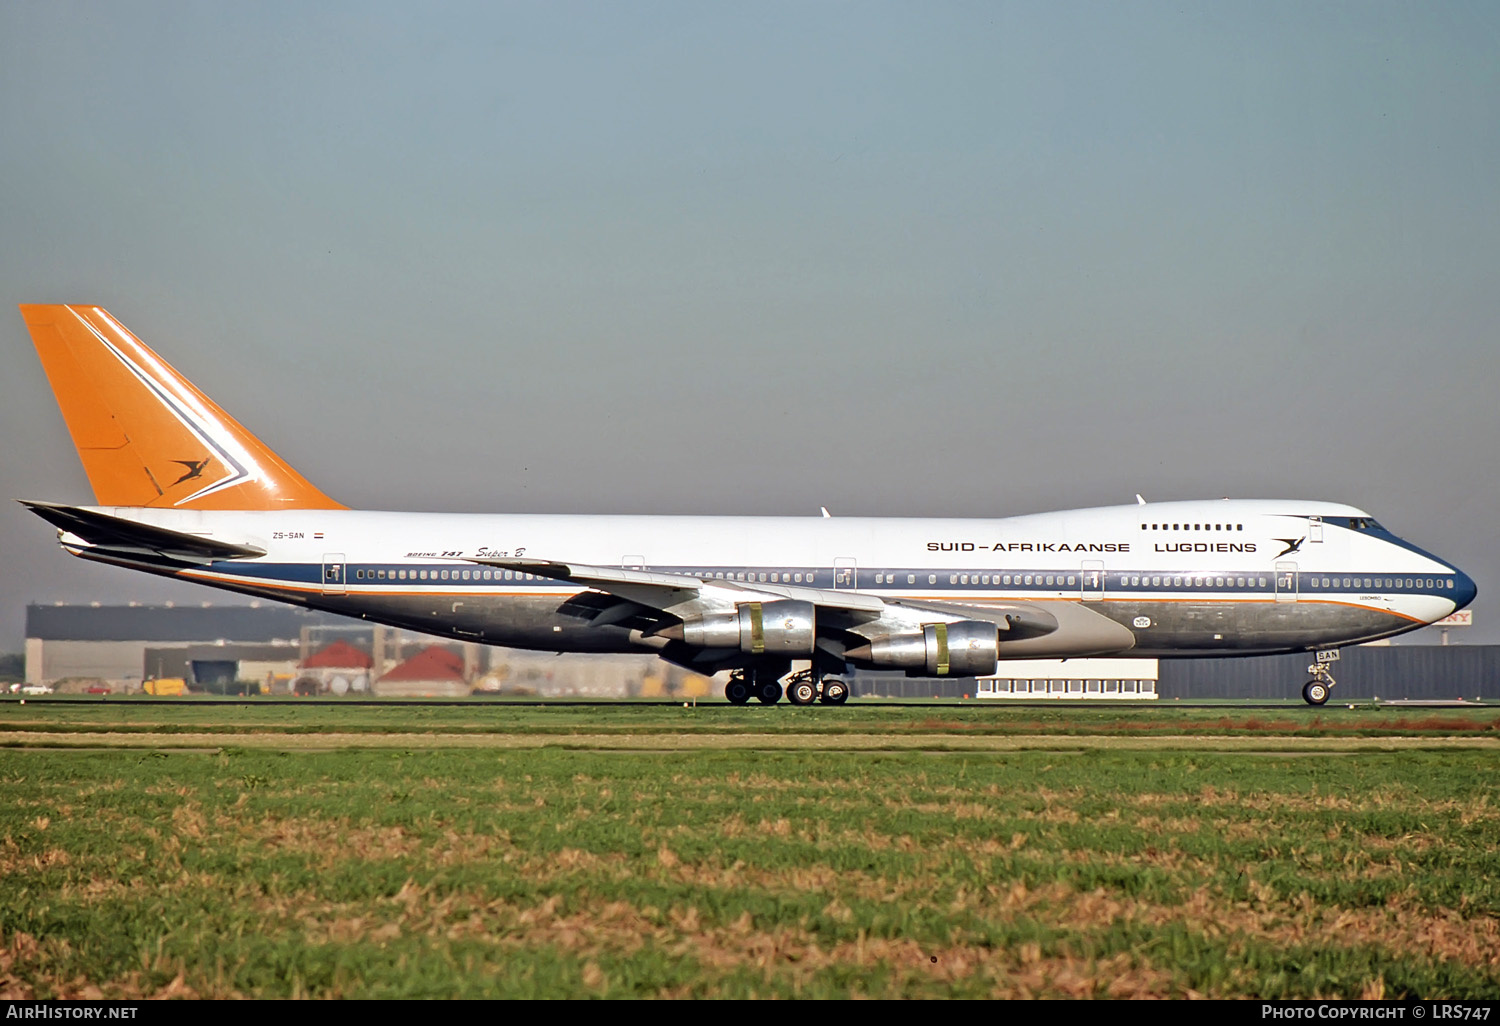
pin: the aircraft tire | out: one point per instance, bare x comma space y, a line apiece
768, 692
737, 691
802, 692
835, 692
1315, 692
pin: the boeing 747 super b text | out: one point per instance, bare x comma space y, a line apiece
182, 490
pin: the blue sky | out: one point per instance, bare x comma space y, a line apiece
911, 259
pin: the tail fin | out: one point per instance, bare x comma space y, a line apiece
146, 436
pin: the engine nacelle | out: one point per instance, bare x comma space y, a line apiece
969, 648
758, 628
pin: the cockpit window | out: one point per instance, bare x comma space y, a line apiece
1364, 524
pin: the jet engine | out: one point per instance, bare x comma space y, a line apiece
969, 648
759, 628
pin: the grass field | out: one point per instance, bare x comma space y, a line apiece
486, 718
790, 866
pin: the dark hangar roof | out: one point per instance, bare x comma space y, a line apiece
175, 623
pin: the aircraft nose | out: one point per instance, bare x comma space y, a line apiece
1464, 589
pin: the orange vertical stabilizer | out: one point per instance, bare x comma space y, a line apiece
146, 435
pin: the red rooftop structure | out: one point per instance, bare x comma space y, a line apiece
432, 671
340, 655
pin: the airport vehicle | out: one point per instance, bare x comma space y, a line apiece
182, 490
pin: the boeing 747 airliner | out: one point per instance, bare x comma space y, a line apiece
182, 490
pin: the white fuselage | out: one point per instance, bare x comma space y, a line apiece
1184, 578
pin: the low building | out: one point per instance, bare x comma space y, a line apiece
581, 675
109, 644
230, 668
336, 669
1104, 679
433, 672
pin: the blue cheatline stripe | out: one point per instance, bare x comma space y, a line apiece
1066, 583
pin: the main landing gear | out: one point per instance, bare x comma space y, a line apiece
747, 684
806, 687
1315, 691
803, 688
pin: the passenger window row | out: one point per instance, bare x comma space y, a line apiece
1380, 583
1192, 527
992, 580
1134, 581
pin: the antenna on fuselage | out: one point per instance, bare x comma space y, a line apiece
1138, 500
826, 515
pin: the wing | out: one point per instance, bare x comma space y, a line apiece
701, 612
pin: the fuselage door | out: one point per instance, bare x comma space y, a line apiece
1286, 582
845, 573
333, 573
1314, 529
1093, 579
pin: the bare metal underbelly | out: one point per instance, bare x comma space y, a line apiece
1161, 629
523, 621
1184, 628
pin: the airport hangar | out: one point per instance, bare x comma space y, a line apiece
74, 647
123, 645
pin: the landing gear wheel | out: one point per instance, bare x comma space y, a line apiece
802, 692
1315, 692
835, 692
768, 691
737, 690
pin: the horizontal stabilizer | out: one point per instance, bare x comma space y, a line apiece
116, 533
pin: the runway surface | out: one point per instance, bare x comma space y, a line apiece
1219, 704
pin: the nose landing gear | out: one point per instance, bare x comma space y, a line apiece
1315, 691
